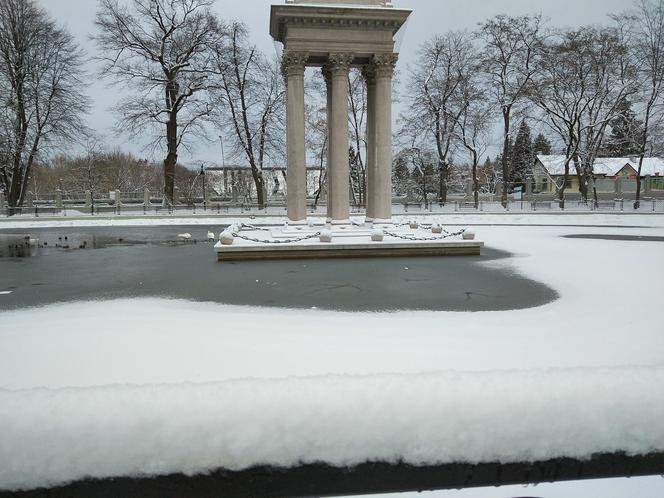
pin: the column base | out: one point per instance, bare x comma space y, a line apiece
339, 222
297, 222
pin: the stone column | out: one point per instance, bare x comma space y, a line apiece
58, 199
337, 70
384, 70
370, 78
293, 65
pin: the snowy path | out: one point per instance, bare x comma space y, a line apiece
579, 375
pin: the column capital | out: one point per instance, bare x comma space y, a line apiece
383, 65
293, 63
338, 63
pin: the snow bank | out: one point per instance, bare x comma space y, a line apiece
53, 436
500, 218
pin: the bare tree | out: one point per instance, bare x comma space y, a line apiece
86, 173
357, 102
433, 104
41, 84
582, 78
473, 128
163, 49
250, 92
645, 27
316, 128
611, 82
511, 46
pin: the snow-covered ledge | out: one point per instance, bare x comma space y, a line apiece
51, 437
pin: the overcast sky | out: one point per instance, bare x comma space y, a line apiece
429, 17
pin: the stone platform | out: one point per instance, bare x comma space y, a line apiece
347, 242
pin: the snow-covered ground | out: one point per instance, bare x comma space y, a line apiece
151, 386
468, 218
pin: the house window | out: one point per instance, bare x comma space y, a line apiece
545, 185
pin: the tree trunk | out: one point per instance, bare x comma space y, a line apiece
506, 151
561, 191
443, 171
637, 198
172, 146
259, 181
476, 185
644, 143
21, 131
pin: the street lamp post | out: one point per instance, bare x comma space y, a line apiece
202, 173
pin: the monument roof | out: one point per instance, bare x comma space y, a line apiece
358, 3
366, 14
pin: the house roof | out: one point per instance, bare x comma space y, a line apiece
608, 166
246, 167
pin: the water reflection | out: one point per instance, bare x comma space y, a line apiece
17, 246
47, 241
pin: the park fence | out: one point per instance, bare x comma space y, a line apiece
61, 203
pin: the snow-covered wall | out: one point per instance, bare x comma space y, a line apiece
53, 436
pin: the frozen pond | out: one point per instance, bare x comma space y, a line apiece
75, 264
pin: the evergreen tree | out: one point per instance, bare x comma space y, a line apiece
542, 145
626, 133
522, 156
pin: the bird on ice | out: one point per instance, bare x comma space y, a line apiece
210, 236
184, 236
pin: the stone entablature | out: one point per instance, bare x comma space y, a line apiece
321, 29
345, 3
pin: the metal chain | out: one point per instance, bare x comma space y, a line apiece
417, 239
252, 227
429, 227
426, 226
283, 241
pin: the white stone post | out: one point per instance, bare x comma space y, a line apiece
338, 169
234, 187
146, 198
293, 66
618, 187
469, 188
384, 69
370, 77
58, 199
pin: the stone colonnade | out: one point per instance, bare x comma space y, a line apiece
378, 73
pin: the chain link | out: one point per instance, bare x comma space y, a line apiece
283, 241
253, 227
447, 235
